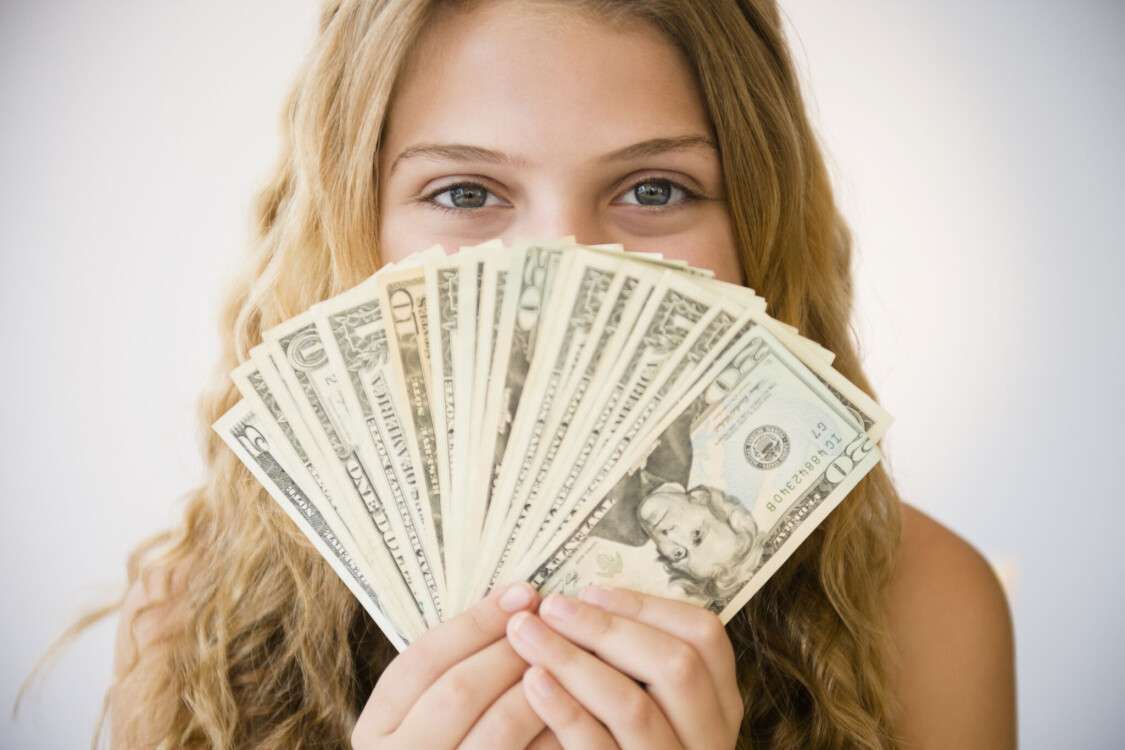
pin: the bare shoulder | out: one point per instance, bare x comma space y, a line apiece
151, 611
954, 668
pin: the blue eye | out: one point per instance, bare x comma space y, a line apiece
464, 196
657, 193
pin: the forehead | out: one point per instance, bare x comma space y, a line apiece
544, 81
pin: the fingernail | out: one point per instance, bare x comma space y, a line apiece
518, 596
527, 628
540, 682
559, 607
596, 595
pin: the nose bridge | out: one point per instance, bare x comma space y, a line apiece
559, 210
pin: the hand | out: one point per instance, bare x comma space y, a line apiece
588, 662
457, 686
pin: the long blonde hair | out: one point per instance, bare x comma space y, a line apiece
272, 650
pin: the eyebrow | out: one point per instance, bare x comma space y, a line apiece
466, 152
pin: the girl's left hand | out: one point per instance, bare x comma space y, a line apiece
590, 653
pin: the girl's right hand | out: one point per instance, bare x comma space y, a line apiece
459, 685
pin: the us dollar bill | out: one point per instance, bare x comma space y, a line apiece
673, 312
492, 387
267, 404
402, 296
641, 410
864, 412
477, 484
442, 299
584, 289
554, 412
816, 358
355, 340
684, 312
629, 298
302, 359
241, 429
651, 258
807, 349
534, 270
606, 286
452, 292
352, 513
743, 471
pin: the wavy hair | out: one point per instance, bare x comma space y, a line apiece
271, 650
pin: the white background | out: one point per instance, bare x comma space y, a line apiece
976, 149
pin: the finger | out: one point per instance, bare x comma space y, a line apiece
449, 708
676, 676
547, 740
429, 657
612, 698
696, 625
509, 722
572, 725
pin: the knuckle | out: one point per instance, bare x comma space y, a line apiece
564, 659
597, 621
567, 714
709, 631
636, 709
457, 693
505, 729
478, 621
681, 665
562, 654
631, 603
547, 740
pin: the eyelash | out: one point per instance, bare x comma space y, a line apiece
690, 196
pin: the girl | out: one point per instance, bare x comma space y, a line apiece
669, 125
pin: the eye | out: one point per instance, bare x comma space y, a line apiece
696, 537
463, 196
656, 192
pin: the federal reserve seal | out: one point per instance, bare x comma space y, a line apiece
766, 447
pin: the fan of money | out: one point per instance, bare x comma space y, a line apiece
558, 413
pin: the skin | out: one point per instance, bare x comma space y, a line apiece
598, 132
557, 128
539, 107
